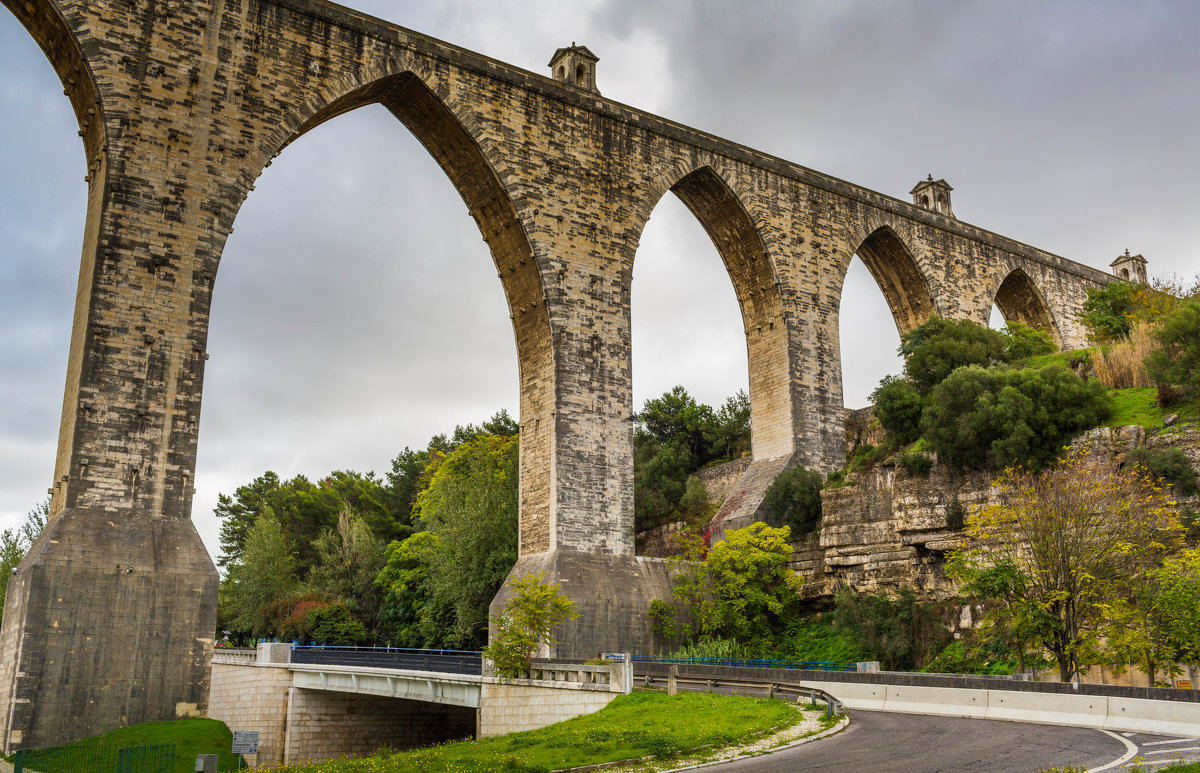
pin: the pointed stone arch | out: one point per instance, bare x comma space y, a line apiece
730, 226
904, 285
407, 97
1020, 300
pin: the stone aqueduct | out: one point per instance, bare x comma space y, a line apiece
182, 103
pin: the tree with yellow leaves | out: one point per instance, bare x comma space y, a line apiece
1080, 535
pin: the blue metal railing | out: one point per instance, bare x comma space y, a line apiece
442, 661
796, 665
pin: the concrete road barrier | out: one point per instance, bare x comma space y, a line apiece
940, 701
1168, 717
1048, 708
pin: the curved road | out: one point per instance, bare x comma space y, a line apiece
907, 743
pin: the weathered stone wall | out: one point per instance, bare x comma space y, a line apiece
181, 106
253, 697
509, 708
720, 479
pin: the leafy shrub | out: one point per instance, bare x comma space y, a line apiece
743, 589
714, 648
335, 625
662, 616
818, 639
959, 657
917, 464
1109, 311
901, 633
794, 499
1169, 464
1177, 360
898, 407
1022, 417
939, 346
530, 617
1022, 341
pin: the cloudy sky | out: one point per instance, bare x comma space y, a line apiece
356, 312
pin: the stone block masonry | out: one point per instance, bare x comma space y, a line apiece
182, 105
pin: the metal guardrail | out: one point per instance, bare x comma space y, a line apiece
793, 665
443, 661
772, 689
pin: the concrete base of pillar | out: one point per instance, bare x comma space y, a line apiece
611, 593
108, 621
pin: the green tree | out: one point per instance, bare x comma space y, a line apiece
1177, 360
729, 435
1110, 311
471, 505
901, 633
265, 574
405, 615
898, 407
1175, 590
794, 500
1077, 532
978, 416
1169, 464
531, 616
934, 349
1011, 614
660, 475
335, 624
1022, 341
14, 543
239, 512
676, 416
743, 588
349, 557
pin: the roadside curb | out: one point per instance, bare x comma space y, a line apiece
839, 727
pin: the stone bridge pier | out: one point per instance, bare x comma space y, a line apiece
181, 105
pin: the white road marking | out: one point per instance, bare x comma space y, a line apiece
1173, 740
1176, 750
1130, 751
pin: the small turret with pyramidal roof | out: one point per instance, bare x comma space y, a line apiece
1130, 268
575, 65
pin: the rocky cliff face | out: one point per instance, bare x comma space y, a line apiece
889, 530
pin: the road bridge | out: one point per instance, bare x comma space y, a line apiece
310, 704
181, 105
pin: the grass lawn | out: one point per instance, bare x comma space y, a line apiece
189, 736
632, 726
1136, 406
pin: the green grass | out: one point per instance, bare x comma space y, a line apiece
632, 726
1135, 406
1183, 767
1066, 359
189, 737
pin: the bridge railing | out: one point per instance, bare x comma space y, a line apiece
235, 656
792, 665
442, 661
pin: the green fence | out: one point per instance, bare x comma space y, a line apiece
96, 758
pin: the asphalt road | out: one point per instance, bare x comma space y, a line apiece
906, 743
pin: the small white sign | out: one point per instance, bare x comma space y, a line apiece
245, 742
